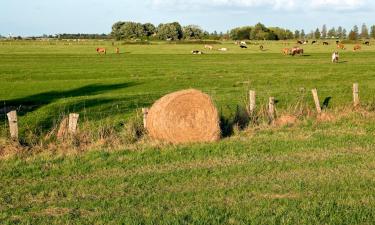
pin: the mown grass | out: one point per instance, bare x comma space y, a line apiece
312, 172
45, 81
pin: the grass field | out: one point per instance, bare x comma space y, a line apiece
314, 172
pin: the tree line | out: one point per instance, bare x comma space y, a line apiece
174, 31
338, 33
167, 31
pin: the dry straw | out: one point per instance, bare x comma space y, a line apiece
184, 117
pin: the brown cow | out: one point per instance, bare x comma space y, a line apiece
357, 47
101, 50
286, 51
117, 50
341, 46
297, 51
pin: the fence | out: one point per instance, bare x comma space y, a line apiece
69, 126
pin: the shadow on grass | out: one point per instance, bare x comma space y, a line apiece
228, 122
34, 102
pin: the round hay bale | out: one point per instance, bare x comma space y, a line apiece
184, 117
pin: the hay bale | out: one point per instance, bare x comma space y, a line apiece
184, 117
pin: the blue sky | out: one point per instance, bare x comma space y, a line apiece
36, 17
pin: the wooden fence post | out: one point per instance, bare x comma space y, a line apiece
145, 112
355, 94
252, 102
271, 109
316, 100
13, 125
73, 122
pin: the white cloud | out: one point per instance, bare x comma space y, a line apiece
271, 4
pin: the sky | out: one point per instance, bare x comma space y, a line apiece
37, 17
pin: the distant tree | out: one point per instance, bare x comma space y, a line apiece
310, 35
149, 29
261, 32
240, 33
297, 34
170, 31
303, 35
132, 30
364, 32
339, 32
193, 32
372, 32
317, 34
277, 33
353, 34
332, 33
116, 30
344, 33
324, 32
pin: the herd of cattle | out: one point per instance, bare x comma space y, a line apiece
286, 51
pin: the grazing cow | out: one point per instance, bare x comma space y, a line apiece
305, 42
101, 50
243, 43
296, 51
337, 42
286, 51
367, 43
335, 57
357, 47
117, 50
299, 42
325, 43
243, 46
209, 47
261, 47
223, 49
196, 52
313, 42
341, 46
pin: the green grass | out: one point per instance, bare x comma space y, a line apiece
310, 173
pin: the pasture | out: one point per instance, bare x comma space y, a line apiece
310, 173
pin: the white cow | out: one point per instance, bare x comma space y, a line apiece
335, 57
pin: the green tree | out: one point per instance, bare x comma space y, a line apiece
297, 34
277, 33
364, 32
149, 29
193, 32
332, 33
317, 34
353, 34
132, 30
344, 33
372, 32
116, 30
240, 33
170, 31
303, 35
324, 32
339, 32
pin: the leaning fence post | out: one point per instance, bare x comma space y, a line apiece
13, 126
73, 122
145, 112
316, 100
252, 102
271, 109
355, 94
